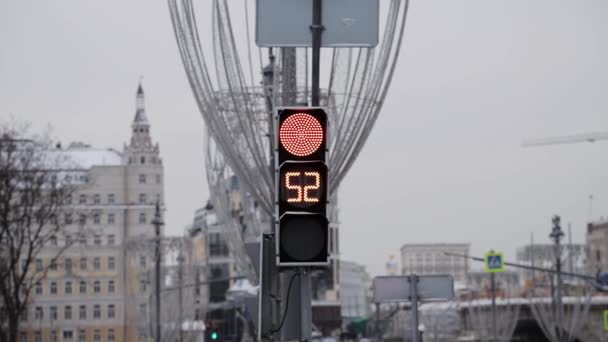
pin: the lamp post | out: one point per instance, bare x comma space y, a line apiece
556, 235
421, 329
157, 222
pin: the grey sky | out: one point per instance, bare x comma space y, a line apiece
444, 163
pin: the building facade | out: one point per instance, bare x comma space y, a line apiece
96, 290
355, 294
574, 258
597, 242
431, 258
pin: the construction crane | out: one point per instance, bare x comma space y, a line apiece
569, 139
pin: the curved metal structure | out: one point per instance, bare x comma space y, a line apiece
236, 93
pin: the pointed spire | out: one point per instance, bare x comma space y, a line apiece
140, 110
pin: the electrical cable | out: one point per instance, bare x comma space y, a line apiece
286, 303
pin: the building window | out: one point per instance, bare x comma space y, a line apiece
96, 311
142, 217
53, 336
53, 313
53, 290
38, 288
82, 199
82, 219
111, 286
142, 261
142, 309
68, 240
217, 245
68, 287
68, 266
96, 286
96, 218
158, 179
97, 240
83, 287
82, 335
67, 199
142, 178
82, 239
83, 263
111, 263
142, 198
110, 198
68, 218
111, 337
96, 263
111, 312
53, 265
111, 239
53, 240
68, 335
97, 335
82, 312
38, 265
143, 160
142, 285
67, 311
96, 199
38, 313
110, 218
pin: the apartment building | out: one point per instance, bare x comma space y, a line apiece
96, 290
431, 258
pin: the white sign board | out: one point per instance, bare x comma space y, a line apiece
347, 23
398, 288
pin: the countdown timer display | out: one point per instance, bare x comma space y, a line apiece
302, 186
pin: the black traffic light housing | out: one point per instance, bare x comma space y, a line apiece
301, 185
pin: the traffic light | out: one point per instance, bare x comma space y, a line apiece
301, 187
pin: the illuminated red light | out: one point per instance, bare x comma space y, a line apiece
301, 134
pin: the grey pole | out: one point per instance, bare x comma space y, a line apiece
378, 332
316, 28
413, 279
180, 279
157, 222
493, 285
556, 235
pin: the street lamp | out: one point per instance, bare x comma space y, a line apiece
556, 235
421, 331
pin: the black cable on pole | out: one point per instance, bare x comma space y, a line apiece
286, 303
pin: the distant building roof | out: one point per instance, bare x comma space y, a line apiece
592, 226
82, 156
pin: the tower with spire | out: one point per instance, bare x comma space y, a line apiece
141, 150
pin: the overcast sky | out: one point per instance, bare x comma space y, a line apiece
444, 163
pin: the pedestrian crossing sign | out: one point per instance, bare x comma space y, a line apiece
494, 262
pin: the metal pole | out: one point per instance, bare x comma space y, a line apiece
378, 332
316, 28
556, 235
157, 222
414, 300
180, 279
493, 285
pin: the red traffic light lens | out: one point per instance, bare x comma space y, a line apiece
301, 134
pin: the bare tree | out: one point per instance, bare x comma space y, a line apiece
32, 191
